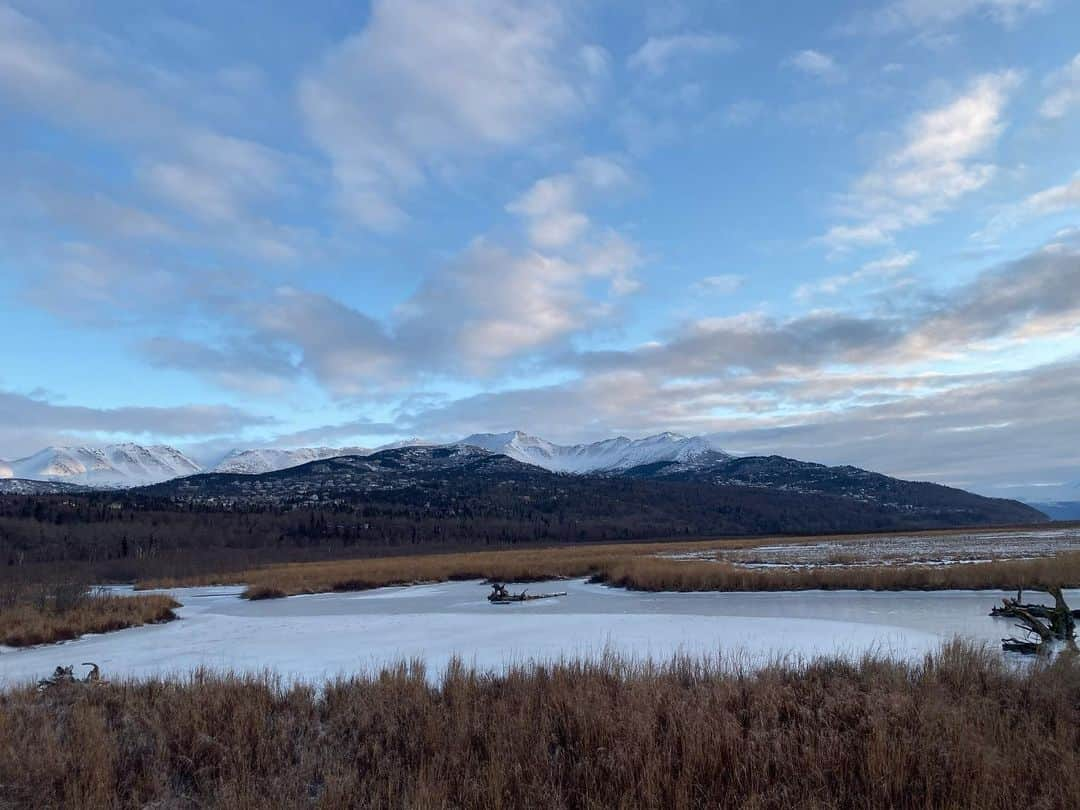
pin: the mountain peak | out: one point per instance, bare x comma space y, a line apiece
123, 464
609, 455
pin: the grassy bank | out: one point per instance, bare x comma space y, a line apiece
41, 614
655, 574
639, 566
958, 730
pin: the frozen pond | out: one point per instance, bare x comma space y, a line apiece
318, 636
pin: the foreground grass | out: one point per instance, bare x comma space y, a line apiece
23, 624
638, 566
958, 730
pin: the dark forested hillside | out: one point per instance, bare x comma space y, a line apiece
424, 498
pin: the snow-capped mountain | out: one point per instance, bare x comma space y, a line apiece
114, 465
411, 442
123, 465
605, 456
268, 459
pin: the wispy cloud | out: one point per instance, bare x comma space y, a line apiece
1052, 200
27, 421
424, 83
887, 268
1028, 299
186, 164
1064, 95
552, 206
723, 284
908, 15
492, 305
658, 54
941, 160
817, 64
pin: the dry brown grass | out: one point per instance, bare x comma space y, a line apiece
656, 574
638, 566
29, 622
958, 730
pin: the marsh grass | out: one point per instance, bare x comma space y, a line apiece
959, 729
640, 566
42, 613
657, 574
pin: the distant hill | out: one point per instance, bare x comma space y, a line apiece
268, 459
756, 494
1059, 510
23, 486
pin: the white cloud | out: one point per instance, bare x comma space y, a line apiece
428, 81
657, 54
1064, 91
28, 421
1035, 298
815, 63
1042, 203
492, 306
1056, 198
938, 163
903, 15
40, 72
742, 113
551, 207
886, 268
723, 284
217, 178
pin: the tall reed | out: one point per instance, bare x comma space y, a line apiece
957, 730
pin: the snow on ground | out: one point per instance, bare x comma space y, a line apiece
914, 549
319, 636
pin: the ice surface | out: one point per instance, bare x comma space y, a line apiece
318, 636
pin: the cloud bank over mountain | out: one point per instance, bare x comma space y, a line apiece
853, 239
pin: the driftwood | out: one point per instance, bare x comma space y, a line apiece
65, 676
1041, 611
60, 677
94, 675
1044, 624
1016, 645
499, 595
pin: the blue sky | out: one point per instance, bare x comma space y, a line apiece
845, 232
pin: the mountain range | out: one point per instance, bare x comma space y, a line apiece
708, 492
666, 456
127, 465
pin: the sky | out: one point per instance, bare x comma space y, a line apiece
846, 232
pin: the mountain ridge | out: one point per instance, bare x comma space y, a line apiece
89, 465
107, 466
751, 493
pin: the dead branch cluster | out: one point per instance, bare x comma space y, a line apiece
65, 676
1044, 624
